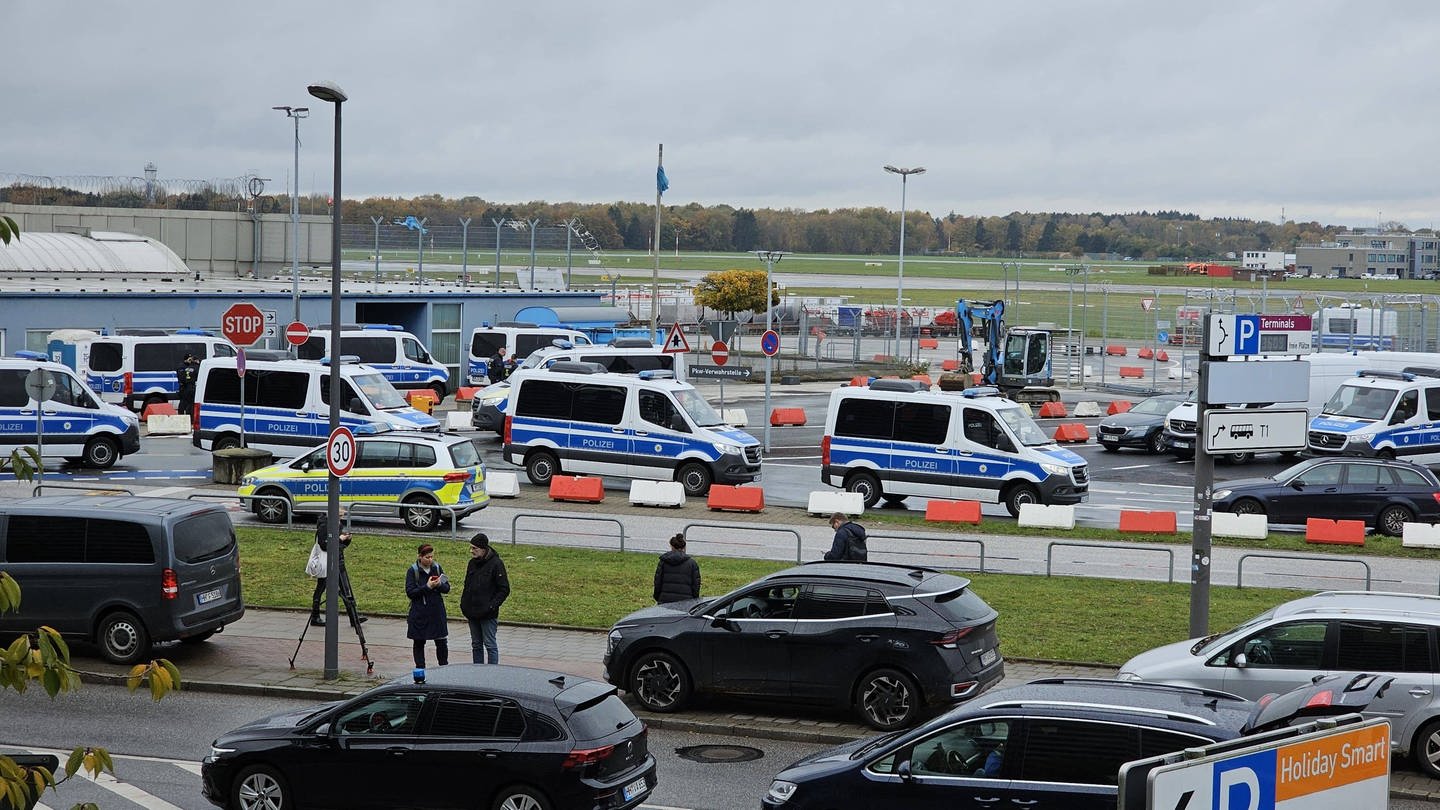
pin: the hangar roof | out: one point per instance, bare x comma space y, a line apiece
89, 252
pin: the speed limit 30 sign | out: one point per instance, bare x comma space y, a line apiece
340, 451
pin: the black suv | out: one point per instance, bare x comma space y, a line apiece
886, 639
1051, 743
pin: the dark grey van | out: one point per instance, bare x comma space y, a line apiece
121, 571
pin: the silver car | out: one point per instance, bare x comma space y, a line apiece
1391, 634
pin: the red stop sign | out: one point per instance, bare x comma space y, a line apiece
242, 324
719, 352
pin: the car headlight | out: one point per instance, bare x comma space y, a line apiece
1056, 469
613, 641
216, 751
248, 481
781, 791
731, 449
1357, 439
1219, 494
494, 397
1128, 676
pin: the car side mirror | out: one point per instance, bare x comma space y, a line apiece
306, 466
1297, 485
323, 730
1241, 661
722, 623
1004, 445
677, 422
356, 406
903, 771
425, 357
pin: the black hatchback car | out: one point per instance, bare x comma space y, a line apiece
469, 736
1051, 743
887, 640
1385, 493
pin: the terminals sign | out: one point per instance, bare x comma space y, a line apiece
1259, 335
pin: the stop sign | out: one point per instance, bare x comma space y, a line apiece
719, 352
242, 324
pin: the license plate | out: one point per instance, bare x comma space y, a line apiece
208, 596
1182, 445
988, 657
635, 789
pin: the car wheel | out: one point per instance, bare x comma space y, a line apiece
1018, 496
894, 500
540, 467
1248, 506
1109, 447
887, 699
521, 797
122, 638
867, 485
260, 787
273, 506
1392, 520
1242, 457
1156, 442
101, 453
153, 400
439, 393
659, 682
420, 519
227, 442
694, 478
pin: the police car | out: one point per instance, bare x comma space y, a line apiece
425, 477
74, 424
1386, 414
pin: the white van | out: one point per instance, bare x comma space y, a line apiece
518, 340
388, 349
1389, 414
133, 370
894, 439
578, 418
287, 404
622, 356
76, 425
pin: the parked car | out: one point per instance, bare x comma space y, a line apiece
887, 640
425, 477
1056, 743
466, 735
1143, 426
1385, 493
1386, 633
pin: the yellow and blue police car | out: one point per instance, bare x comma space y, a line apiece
425, 476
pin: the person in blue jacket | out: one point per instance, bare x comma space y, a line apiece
849, 543
426, 584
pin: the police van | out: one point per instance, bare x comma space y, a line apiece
287, 404
895, 439
578, 418
1389, 414
622, 356
134, 370
388, 349
518, 340
75, 424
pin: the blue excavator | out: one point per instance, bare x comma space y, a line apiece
1014, 359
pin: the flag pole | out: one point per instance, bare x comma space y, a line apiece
655, 274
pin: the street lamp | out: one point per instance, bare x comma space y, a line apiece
331, 92
770, 257
900, 288
296, 113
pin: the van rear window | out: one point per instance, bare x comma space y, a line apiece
204, 537
861, 418
484, 345
104, 357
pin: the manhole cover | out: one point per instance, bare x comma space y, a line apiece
719, 753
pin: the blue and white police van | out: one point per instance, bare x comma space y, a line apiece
134, 370
388, 349
576, 417
286, 404
895, 438
74, 423
518, 340
1386, 414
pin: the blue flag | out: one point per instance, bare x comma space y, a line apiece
662, 183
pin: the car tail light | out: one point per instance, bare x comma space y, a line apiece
507, 428
825, 450
580, 757
169, 584
129, 383
1436, 496
456, 477
195, 416
951, 640
963, 690
1325, 698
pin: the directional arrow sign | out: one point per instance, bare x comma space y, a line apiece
1255, 430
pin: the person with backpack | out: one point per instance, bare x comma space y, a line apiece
849, 544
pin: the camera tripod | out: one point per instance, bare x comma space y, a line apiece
347, 598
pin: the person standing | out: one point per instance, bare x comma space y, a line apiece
426, 585
677, 574
188, 373
322, 539
486, 589
849, 543
496, 367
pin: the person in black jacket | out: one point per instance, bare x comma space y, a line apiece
187, 374
677, 575
496, 367
849, 543
486, 589
322, 537
426, 584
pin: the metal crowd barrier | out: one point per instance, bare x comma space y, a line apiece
514, 523
352, 509
1240, 566
933, 538
1050, 549
744, 528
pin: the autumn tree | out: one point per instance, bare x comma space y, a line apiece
732, 291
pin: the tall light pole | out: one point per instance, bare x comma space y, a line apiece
900, 288
331, 92
296, 113
770, 257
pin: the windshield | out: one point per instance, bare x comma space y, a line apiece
1212, 644
1360, 403
378, 390
1156, 406
1023, 427
698, 409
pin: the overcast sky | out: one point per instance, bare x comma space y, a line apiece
1326, 109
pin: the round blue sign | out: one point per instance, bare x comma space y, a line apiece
770, 343
1163, 337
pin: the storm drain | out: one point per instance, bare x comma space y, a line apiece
711, 754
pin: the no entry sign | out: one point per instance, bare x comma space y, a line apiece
719, 352
297, 333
